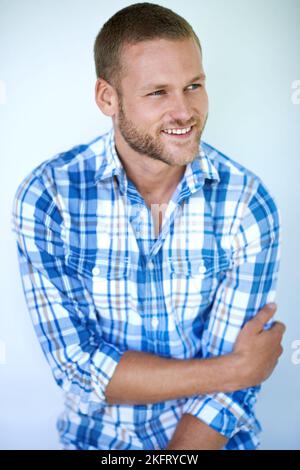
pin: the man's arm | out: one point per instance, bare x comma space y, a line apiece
60, 306
142, 378
193, 434
249, 284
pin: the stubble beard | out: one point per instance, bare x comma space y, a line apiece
146, 144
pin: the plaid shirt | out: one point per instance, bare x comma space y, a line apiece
99, 281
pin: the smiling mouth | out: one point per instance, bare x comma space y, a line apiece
179, 134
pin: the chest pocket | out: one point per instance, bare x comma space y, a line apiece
112, 288
193, 283
107, 282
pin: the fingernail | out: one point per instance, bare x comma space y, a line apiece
271, 305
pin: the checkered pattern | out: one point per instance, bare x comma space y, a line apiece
99, 281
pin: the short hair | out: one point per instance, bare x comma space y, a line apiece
136, 23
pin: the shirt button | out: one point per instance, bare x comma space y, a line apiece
202, 269
96, 271
150, 265
155, 322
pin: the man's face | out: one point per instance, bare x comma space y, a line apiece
163, 88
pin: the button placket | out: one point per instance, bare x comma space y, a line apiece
150, 265
153, 321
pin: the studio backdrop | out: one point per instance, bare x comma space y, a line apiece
252, 62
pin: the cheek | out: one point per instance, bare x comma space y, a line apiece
199, 102
204, 102
149, 118
145, 114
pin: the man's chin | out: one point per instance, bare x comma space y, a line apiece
178, 157
179, 160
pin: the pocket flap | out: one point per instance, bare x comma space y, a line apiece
199, 266
116, 268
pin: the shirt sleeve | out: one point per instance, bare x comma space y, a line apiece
246, 287
82, 363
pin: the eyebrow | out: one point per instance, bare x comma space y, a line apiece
155, 86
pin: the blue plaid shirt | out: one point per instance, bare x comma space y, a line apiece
99, 281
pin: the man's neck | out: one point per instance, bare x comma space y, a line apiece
154, 179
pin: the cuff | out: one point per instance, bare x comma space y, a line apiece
103, 367
223, 413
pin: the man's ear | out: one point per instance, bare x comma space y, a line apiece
105, 97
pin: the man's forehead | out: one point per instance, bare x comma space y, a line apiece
160, 56
152, 46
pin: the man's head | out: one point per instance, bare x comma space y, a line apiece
150, 78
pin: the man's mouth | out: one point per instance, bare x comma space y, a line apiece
178, 133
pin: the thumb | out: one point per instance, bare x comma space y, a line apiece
262, 317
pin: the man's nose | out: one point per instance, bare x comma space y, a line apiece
180, 109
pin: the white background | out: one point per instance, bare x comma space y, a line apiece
251, 57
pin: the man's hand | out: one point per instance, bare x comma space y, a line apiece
256, 354
258, 350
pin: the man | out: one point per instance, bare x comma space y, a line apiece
148, 258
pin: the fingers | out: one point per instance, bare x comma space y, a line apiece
278, 327
274, 335
257, 323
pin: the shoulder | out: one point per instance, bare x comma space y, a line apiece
240, 184
72, 165
244, 207
39, 193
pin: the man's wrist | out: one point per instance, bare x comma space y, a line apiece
221, 374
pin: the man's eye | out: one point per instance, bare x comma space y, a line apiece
159, 92
156, 93
197, 85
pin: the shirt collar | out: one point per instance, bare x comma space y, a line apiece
199, 170
110, 164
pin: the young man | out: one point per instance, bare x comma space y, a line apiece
148, 258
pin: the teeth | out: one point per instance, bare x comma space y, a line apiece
177, 131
